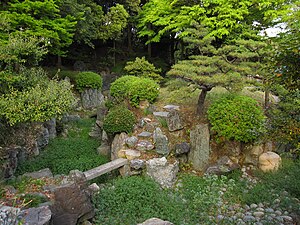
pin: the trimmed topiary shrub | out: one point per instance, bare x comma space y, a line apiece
238, 118
119, 119
88, 80
134, 89
142, 68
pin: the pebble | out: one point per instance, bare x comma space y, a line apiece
269, 210
253, 206
248, 218
258, 214
288, 218
260, 209
278, 212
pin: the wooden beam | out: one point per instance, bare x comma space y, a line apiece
105, 168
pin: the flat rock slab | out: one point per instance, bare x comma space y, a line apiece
171, 107
145, 134
39, 174
161, 114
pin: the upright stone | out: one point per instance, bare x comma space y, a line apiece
51, 126
174, 121
161, 142
91, 98
118, 144
199, 154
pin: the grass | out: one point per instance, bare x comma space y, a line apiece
195, 200
77, 151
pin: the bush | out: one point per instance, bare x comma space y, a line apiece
142, 68
37, 104
119, 119
134, 89
88, 80
237, 118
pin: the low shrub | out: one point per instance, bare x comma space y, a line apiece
238, 118
119, 119
88, 80
142, 68
134, 89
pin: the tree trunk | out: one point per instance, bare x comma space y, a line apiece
59, 63
201, 100
114, 53
129, 37
267, 95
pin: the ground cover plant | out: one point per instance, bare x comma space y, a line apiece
195, 200
76, 151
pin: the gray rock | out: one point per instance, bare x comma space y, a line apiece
144, 146
249, 218
251, 154
199, 154
174, 121
145, 134
162, 172
96, 132
182, 148
94, 188
269, 210
35, 216
171, 107
131, 141
155, 221
253, 206
13, 156
78, 178
39, 174
287, 218
118, 144
70, 118
43, 138
104, 149
51, 126
161, 142
91, 98
161, 114
101, 111
137, 164
224, 165
71, 205
258, 214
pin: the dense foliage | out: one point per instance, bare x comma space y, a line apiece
238, 118
142, 68
119, 119
134, 89
85, 80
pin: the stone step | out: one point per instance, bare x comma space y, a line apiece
105, 168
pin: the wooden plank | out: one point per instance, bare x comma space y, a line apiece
105, 168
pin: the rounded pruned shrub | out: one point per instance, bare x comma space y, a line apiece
119, 119
86, 80
237, 118
134, 89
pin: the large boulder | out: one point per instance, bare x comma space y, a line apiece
155, 221
199, 154
35, 216
91, 98
161, 142
39, 174
174, 121
118, 144
72, 205
162, 172
269, 161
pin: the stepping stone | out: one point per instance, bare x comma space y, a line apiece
171, 107
144, 145
145, 134
161, 114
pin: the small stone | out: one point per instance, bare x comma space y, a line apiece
272, 215
260, 209
220, 217
137, 164
258, 214
276, 201
131, 141
260, 205
161, 114
94, 188
269, 210
145, 134
144, 145
253, 206
279, 218
249, 218
246, 207
171, 107
287, 218
278, 212
132, 154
